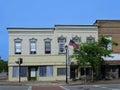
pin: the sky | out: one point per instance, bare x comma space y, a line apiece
47, 13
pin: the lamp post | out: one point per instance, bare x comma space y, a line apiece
67, 67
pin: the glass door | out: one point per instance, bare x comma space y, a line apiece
32, 73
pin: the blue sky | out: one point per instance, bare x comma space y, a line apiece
47, 13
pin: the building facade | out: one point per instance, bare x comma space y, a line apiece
43, 51
111, 29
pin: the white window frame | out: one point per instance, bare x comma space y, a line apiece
61, 42
18, 46
109, 46
76, 39
47, 45
90, 39
33, 46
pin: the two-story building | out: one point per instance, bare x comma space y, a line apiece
43, 50
111, 29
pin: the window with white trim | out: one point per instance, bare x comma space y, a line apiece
109, 46
18, 46
33, 46
47, 46
76, 39
61, 41
90, 39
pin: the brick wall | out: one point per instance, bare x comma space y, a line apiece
110, 28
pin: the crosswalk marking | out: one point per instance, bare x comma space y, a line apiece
30, 88
64, 88
104, 87
96, 85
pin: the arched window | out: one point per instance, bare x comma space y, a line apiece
76, 39
33, 46
61, 41
47, 45
90, 39
18, 46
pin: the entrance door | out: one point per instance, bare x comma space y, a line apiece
32, 73
73, 73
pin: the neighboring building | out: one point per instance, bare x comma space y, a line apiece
111, 29
43, 50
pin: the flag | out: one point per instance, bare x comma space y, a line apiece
72, 43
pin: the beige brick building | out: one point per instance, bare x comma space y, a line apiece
43, 51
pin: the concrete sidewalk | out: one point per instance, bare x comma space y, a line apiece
41, 83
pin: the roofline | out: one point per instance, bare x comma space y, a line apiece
55, 26
26, 28
73, 25
106, 21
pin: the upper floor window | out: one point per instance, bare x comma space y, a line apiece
47, 46
61, 41
18, 46
109, 46
76, 39
33, 46
90, 39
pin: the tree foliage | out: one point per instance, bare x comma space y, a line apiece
3, 66
103, 42
92, 54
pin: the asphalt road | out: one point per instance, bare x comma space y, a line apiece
94, 87
74, 87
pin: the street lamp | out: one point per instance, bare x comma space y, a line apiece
66, 48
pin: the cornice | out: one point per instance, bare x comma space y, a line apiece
30, 32
27, 28
17, 30
30, 29
76, 27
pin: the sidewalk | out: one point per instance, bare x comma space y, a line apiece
39, 83
42, 83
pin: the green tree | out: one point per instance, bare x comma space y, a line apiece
3, 66
103, 42
92, 54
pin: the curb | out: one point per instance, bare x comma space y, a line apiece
2, 82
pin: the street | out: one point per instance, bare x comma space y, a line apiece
65, 87
30, 88
14, 87
94, 87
